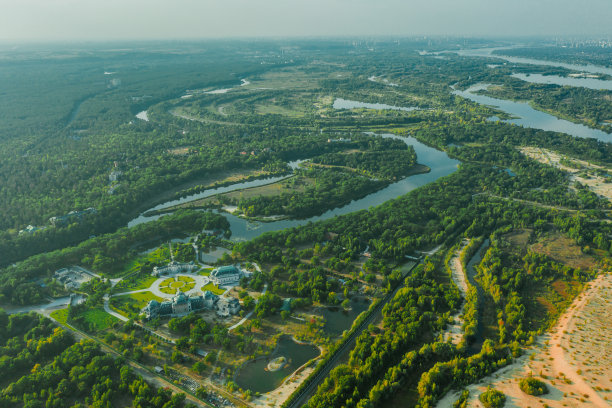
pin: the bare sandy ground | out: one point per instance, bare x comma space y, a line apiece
595, 183
454, 332
278, 396
575, 360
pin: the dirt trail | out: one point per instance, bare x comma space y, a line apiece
454, 333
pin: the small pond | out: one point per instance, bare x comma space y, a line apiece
214, 255
337, 320
255, 375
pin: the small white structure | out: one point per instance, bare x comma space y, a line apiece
226, 275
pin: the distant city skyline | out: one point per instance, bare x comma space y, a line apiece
76, 20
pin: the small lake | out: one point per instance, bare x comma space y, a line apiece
340, 103
213, 255
590, 83
530, 117
255, 376
337, 320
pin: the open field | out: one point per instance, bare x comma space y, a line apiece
98, 319
213, 289
563, 249
269, 190
133, 303
581, 171
293, 78
61, 315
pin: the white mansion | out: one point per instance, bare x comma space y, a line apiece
226, 275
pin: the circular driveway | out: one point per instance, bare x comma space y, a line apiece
200, 281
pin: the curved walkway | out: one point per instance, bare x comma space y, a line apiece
200, 282
245, 318
111, 312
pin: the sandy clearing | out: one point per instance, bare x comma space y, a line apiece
454, 332
574, 360
595, 183
278, 396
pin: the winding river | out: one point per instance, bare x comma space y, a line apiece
532, 118
209, 193
488, 53
590, 83
440, 164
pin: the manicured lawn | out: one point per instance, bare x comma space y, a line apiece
167, 290
170, 285
136, 282
99, 319
206, 271
60, 315
213, 289
133, 303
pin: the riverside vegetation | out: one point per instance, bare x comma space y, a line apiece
194, 139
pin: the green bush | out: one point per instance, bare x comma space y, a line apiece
462, 400
533, 386
492, 398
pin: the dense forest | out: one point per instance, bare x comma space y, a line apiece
43, 366
78, 145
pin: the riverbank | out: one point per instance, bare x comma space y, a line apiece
270, 189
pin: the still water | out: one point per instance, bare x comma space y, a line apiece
255, 376
438, 161
590, 83
337, 320
532, 118
488, 52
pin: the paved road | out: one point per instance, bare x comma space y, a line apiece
55, 304
111, 312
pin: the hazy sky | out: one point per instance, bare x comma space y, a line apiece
158, 19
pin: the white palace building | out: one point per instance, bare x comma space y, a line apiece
226, 275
